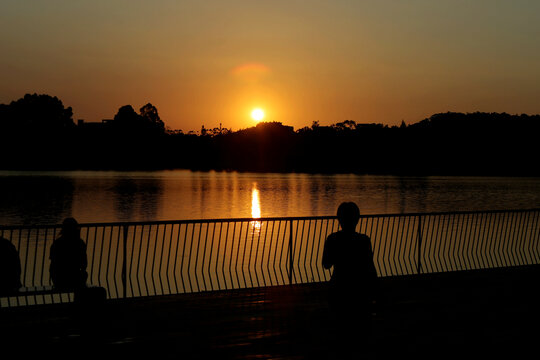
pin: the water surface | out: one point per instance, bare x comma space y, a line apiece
108, 196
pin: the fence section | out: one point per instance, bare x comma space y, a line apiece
159, 258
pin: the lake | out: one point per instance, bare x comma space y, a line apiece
47, 197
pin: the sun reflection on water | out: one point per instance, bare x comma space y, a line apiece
255, 208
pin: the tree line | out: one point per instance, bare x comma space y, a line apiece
38, 132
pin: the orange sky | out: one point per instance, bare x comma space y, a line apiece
211, 62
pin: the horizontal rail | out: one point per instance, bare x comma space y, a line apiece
171, 257
284, 218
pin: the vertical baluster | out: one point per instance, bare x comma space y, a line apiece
291, 254
419, 246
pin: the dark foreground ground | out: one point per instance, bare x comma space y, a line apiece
478, 314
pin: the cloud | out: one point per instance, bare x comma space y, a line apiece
250, 72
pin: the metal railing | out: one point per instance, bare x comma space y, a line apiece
173, 257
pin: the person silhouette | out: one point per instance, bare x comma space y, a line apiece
68, 257
353, 281
10, 267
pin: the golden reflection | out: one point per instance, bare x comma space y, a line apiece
255, 203
255, 208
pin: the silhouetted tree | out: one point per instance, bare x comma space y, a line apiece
40, 114
345, 125
126, 117
37, 132
150, 113
147, 123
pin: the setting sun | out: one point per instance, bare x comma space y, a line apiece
257, 114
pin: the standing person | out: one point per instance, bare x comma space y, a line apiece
10, 267
353, 282
68, 257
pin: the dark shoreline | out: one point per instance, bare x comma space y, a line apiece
245, 171
445, 144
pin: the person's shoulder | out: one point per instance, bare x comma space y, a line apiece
363, 236
59, 241
339, 234
6, 244
332, 236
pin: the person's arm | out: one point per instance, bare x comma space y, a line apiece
51, 252
328, 253
83, 258
372, 272
53, 266
18, 268
15, 264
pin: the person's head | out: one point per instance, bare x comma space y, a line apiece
348, 215
70, 227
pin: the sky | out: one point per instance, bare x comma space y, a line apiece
211, 62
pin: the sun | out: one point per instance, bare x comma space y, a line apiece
257, 114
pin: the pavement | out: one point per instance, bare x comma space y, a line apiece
471, 314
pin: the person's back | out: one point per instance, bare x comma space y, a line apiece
68, 257
353, 282
10, 267
351, 256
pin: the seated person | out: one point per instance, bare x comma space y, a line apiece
68, 257
10, 267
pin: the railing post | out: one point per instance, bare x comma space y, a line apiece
124, 262
291, 254
419, 245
